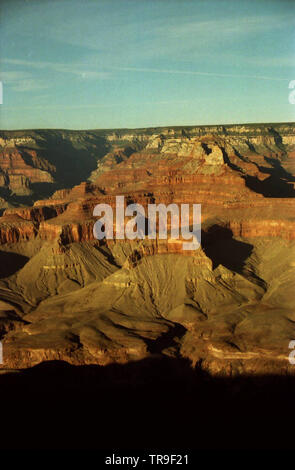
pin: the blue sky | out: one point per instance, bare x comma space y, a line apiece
138, 63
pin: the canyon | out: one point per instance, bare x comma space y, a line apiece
228, 307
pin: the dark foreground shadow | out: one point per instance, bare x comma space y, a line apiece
156, 403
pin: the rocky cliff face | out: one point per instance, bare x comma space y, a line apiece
227, 307
34, 164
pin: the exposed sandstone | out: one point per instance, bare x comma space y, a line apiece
227, 307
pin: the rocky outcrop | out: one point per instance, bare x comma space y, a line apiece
227, 307
36, 163
19, 170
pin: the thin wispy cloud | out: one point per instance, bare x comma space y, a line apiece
225, 26
24, 81
21, 81
192, 72
13, 76
276, 61
76, 69
30, 84
99, 105
258, 60
157, 38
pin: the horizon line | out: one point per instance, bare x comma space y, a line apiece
147, 127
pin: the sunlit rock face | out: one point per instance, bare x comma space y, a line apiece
228, 306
